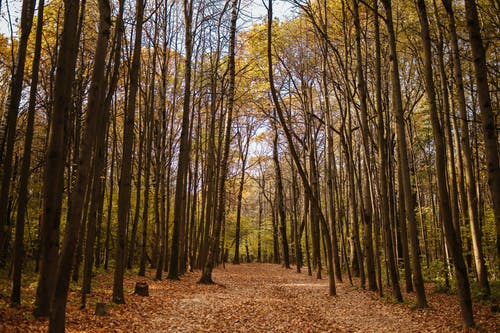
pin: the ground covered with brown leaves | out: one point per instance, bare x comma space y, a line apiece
250, 298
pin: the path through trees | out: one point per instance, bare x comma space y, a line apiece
255, 298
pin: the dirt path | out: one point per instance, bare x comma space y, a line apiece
267, 298
264, 298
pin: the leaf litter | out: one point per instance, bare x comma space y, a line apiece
249, 298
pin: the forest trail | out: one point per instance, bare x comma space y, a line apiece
253, 298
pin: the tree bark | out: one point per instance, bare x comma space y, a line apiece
97, 102
403, 159
213, 254
365, 131
13, 100
184, 149
470, 180
54, 167
280, 206
452, 238
490, 135
126, 166
22, 201
58, 310
295, 156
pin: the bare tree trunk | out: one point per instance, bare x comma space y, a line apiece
452, 239
57, 316
117, 42
101, 121
244, 148
295, 156
126, 166
22, 201
403, 160
138, 188
259, 237
470, 180
404, 233
148, 127
487, 115
313, 178
55, 157
330, 175
184, 150
280, 205
213, 254
13, 100
276, 243
107, 239
365, 131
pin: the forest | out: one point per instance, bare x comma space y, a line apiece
196, 144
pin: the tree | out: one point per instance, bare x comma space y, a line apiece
439, 143
58, 306
295, 156
367, 204
126, 166
243, 156
184, 149
13, 101
472, 201
54, 167
213, 254
18, 258
403, 159
279, 198
490, 135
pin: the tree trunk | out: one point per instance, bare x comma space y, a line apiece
403, 159
184, 149
213, 254
280, 206
452, 239
488, 123
58, 310
295, 156
126, 166
54, 167
470, 181
13, 100
22, 201
365, 131
101, 121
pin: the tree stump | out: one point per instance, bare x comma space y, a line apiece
100, 309
141, 289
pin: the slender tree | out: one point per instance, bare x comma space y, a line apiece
490, 134
126, 166
184, 149
22, 201
403, 159
13, 100
243, 155
470, 179
55, 158
213, 254
293, 151
58, 309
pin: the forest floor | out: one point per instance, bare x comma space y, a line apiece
248, 298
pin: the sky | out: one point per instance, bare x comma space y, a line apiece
256, 10
252, 11
12, 6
